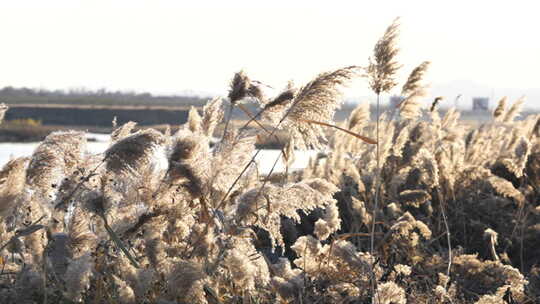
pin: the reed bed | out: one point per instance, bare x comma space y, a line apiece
429, 211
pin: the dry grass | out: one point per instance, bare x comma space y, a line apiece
163, 216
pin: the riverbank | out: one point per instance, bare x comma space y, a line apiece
97, 116
21, 132
33, 122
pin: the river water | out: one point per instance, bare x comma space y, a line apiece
100, 142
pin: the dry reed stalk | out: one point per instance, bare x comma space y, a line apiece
283, 151
252, 118
448, 236
241, 87
320, 91
275, 107
363, 138
191, 247
238, 90
381, 74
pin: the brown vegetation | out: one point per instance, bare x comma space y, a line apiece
163, 217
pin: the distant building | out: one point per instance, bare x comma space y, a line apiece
480, 104
395, 100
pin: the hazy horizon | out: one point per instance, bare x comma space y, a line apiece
167, 47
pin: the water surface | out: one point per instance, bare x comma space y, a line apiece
100, 142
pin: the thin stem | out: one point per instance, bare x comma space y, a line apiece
376, 199
266, 181
44, 269
118, 242
78, 186
227, 121
254, 118
252, 160
24, 232
251, 119
447, 233
365, 139
376, 182
521, 250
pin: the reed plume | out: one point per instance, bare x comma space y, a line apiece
435, 103
212, 116
514, 110
413, 90
381, 75
360, 116
53, 161
383, 66
413, 82
498, 113
123, 131
189, 162
135, 153
282, 98
242, 86
274, 110
239, 87
157, 218
12, 183
317, 101
194, 123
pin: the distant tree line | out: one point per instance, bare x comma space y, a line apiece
81, 96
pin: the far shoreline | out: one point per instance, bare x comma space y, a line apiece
16, 133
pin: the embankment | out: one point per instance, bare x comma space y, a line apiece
65, 115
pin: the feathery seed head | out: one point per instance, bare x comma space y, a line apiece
536, 128
212, 116
133, 152
360, 116
283, 98
194, 120
183, 148
123, 131
435, 103
383, 66
256, 92
12, 182
55, 157
239, 87
242, 87
500, 109
317, 101
414, 81
514, 110
414, 197
274, 110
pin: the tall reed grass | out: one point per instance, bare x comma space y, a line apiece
430, 211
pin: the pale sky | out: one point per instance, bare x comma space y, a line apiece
168, 47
